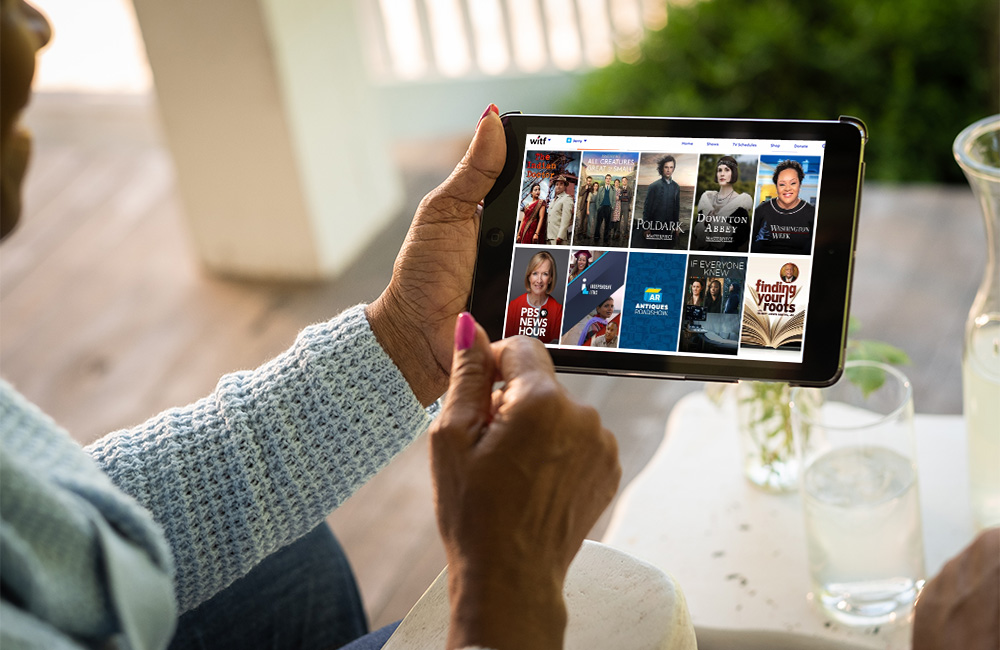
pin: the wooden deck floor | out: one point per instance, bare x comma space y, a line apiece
106, 318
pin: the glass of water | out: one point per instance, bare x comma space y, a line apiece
859, 492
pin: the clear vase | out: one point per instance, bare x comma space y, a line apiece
977, 150
764, 421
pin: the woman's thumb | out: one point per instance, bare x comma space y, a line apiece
468, 402
483, 162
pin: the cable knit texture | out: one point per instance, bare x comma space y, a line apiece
254, 466
240, 473
55, 568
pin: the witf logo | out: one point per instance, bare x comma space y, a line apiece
539, 140
654, 294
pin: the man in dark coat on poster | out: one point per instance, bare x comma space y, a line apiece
663, 198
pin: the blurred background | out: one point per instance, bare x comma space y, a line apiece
209, 178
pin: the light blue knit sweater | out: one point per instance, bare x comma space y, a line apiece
228, 480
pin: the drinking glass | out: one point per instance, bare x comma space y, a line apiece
858, 482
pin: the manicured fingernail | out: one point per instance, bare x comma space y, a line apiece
465, 331
492, 108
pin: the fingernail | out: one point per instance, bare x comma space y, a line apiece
465, 331
492, 108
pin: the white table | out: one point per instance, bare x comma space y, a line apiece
739, 553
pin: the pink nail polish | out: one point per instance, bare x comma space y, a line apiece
492, 108
465, 331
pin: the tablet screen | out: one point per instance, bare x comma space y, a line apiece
681, 247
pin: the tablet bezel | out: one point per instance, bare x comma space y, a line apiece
833, 249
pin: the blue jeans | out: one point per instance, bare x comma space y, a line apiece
302, 597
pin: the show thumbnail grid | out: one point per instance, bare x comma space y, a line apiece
681, 246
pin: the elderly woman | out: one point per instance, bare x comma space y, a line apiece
204, 526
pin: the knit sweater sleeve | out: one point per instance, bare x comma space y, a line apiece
258, 463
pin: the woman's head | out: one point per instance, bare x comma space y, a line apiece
536, 191
596, 186
788, 180
24, 32
606, 308
715, 288
540, 276
696, 286
788, 164
582, 259
728, 171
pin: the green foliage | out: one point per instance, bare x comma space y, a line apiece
870, 379
916, 72
771, 420
876, 351
772, 416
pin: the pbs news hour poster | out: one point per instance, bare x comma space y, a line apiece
536, 293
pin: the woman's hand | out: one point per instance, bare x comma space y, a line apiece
521, 474
414, 317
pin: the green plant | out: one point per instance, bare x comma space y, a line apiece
772, 393
870, 379
765, 415
769, 417
917, 72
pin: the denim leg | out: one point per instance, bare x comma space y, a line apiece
302, 597
373, 640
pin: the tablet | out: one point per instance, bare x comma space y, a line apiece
707, 249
